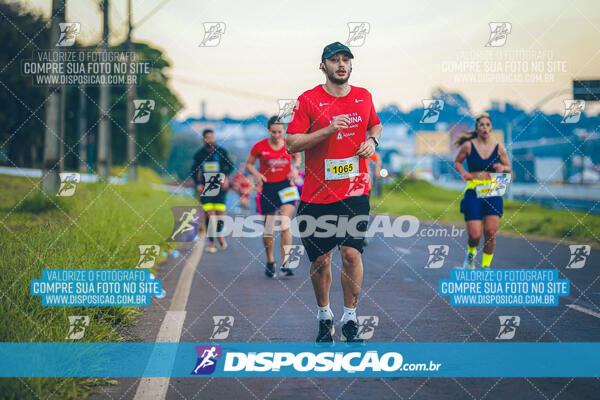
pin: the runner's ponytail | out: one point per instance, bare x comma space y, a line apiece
472, 134
465, 138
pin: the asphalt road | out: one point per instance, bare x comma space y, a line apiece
399, 291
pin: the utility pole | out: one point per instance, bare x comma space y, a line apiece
61, 147
104, 123
131, 92
52, 145
131, 131
82, 127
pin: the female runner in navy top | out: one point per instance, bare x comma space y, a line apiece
483, 155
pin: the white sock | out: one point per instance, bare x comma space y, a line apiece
349, 314
324, 312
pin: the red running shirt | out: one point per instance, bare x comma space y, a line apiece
273, 164
314, 110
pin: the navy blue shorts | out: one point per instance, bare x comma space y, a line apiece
475, 208
269, 197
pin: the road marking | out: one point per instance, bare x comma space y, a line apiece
584, 310
172, 326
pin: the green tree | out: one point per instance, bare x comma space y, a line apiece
152, 137
21, 103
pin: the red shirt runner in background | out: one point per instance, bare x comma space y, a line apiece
273, 164
374, 158
314, 110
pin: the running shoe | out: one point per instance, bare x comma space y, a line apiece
350, 332
212, 248
286, 271
222, 243
326, 331
469, 261
270, 270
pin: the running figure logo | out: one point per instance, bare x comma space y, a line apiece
508, 326
223, 324
437, 255
212, 34
357, 33
68, 33
207, 359
431, 111
498, 33
294, 252
214, 180
286, 110
573, 110
143, 108
77, 325
68, 183
186, 224
579, 254
148, 254
366, 326
357, 184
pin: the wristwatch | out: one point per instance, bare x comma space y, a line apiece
375, 140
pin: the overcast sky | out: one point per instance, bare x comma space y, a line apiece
271, 49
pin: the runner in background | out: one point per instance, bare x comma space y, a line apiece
373, 178
299, 182
375, 158
242, 184
337, 128
484, 155
208, 161
275, 178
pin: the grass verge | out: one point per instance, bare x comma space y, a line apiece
100, 226
428, 202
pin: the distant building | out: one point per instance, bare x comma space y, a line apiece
549, 169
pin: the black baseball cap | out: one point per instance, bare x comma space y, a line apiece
332, 49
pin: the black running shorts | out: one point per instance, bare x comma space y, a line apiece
321, 240
269, 197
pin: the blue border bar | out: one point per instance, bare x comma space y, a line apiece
179, 359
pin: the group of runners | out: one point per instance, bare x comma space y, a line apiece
337, 128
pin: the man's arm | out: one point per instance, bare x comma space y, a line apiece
367, 148
295, 143
375, 131
196, 168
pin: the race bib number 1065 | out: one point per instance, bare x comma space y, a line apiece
342, 168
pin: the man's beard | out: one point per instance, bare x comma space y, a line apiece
331, 76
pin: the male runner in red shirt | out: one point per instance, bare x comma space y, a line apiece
336, 125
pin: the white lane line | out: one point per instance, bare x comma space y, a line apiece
171, 327
584, 310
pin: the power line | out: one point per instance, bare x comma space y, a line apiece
223, 89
